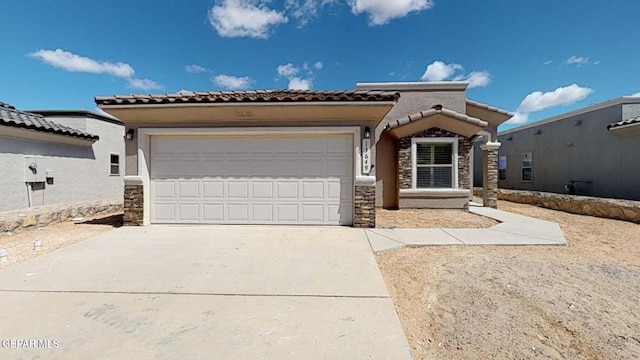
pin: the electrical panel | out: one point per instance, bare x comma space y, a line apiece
35, 169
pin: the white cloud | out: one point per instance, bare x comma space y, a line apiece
548, 62
143, 84
380, 12
75, 63
297, 83
69, 61
304, 11
195, 69
287, 70
439, 71
478, 78
567, 95
232, 82
239, 18
581, 60
518, 118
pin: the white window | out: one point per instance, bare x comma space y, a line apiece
434, 163
114, 164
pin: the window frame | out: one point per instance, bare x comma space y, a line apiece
434, 140
111, 164
506, 161
523, 167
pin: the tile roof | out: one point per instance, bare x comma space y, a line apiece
489, 107
438, 109
633, 120
9, 116
254, 96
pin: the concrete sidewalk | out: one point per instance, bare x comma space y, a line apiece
204, 292
513, 229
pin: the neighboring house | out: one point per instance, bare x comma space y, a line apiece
58, 157
301, 157
592, 151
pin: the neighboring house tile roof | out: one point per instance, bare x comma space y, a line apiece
631, 121
438, 109
9, 116
489, 107
255, 96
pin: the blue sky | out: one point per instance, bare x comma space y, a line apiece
538, 58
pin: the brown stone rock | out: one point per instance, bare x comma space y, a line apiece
30, 221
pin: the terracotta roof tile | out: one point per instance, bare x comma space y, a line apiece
254, 96
633, 120
438, 109
9, 116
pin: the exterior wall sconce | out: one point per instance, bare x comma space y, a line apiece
570, 144
129, 135
367, 133
538, 132
577, 123
510, 138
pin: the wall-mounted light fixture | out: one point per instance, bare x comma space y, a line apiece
577, 123
367, 133
570, 144
130, 133
538, 132
510, 138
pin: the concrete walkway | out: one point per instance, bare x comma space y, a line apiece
203, 292
513, 229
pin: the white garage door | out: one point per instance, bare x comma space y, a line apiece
252, 180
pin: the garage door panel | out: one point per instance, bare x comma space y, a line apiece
238, 213
189, 189
189, 212
212, 189
213, 212
262, 212
164, 189
258, 179
313, 190
164, 211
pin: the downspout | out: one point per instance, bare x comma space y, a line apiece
30, 193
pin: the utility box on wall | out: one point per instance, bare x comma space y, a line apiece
35, 169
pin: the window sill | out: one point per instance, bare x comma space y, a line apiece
434, 193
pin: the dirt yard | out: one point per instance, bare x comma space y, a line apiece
19, 245
580, 301
431, 218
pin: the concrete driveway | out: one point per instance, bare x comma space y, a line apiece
202, 292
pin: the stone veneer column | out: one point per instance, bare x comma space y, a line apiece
490, 174
133, 203
364, 207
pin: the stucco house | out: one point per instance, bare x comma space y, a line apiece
58, 157
591, 151
301, 157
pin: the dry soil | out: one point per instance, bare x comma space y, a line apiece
431, 218
580, 301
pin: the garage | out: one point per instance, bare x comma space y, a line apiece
257, 179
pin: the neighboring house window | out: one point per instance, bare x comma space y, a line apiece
527, 167
435, 163
114, 164
502, 168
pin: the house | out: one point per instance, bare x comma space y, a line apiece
301, 157
590, 151
58, 157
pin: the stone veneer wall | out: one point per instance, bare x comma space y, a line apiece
16, 220
404, 157
133, 205
626, 210
365, 207
490, 180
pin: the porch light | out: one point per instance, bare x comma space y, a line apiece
537, 132
367, 133
577, 123
130, 133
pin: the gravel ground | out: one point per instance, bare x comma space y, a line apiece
431, 218
19, 245
579, 301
